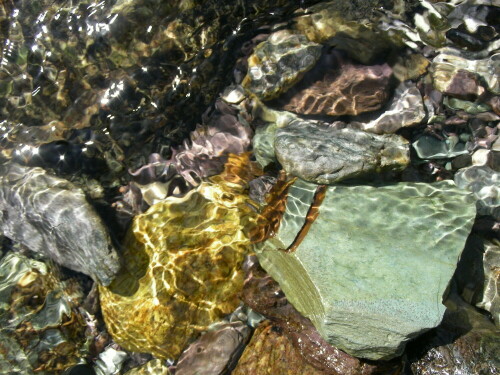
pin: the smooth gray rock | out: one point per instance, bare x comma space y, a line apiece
484, 182
322, 154
405, 109
51, 216
371, 272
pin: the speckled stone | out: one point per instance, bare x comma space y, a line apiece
42, 329
279, 62
319, 153
366, 288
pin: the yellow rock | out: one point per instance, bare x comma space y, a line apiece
182, 265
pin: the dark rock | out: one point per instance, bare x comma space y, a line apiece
318, 153
51, 216
271, 352
465, 40
466, 343
478, 275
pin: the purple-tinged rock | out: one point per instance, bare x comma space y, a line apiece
338, 87
215, 352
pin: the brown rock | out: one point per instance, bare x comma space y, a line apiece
264, 295
338, 87
215, 352
464, 85
271, 352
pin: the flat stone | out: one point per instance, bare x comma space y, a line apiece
51, 216
318, 153
484, 182
367, 289
279, 62
405, 109
263, 294
429, 147
337, 87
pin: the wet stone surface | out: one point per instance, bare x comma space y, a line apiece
181, 133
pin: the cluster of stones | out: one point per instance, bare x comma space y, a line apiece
359, 235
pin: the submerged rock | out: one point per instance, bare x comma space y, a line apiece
405, 109
465, 343
349, 271
263, 144
484, 182
153, 367
348, 25
270, 351
456, 75
264, 294
279, 62
215, 352
337, 87
51, 216
319, 153
429, 147
478, 275
182, 265
41, 329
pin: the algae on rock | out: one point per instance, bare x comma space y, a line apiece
372, 270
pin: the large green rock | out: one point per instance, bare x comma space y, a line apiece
373, 268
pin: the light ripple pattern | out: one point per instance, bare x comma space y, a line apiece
182, 270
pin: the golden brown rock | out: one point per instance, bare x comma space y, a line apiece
183, 259
153, 367
271, 352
